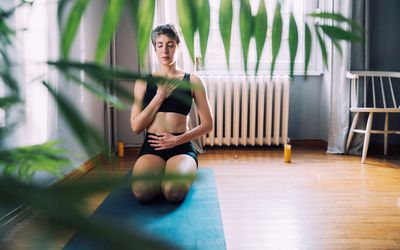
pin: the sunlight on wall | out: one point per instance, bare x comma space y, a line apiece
32, 37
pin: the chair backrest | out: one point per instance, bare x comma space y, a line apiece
374, 89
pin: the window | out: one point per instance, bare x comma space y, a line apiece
215, 61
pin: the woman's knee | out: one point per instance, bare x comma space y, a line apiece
145, 192
175, 191
149, 171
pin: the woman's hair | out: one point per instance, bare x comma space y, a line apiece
169, 30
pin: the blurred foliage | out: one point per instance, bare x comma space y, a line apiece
63, 206
25, 161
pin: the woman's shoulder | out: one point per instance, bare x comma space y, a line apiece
145, 80
196, 79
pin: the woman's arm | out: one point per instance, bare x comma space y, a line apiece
204, 111
142, 118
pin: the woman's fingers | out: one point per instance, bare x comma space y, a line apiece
160, 148
171, 88
167, 88
154, 136
161, 141
174, 87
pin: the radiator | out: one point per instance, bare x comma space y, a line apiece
248, 110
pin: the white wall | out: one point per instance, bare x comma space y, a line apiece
126, 56
306, 110
90, 106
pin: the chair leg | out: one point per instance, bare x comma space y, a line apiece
351, 133
366, 138
385, 136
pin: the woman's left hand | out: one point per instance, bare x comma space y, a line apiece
162, 141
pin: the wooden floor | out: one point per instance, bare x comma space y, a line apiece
319, 201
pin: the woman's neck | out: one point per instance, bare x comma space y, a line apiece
169, 70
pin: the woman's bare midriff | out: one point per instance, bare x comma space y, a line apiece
169, 122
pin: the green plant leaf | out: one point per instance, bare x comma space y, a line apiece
101, 74
60, 11
145, 17
293, 42
337, 45
26, 160
9, 170
133, 12
260, 30
87, 136
338, 18
202, 9
276, 35
23, 172
246, 23
108, 27
338, 33
7, 129
5, 34
225, 25
7, 101
187, 21
99, 91
4, 14
9, 81
73, 21
307, 48
6, 59
323, 47
98, 71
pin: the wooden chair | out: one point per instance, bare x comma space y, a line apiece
369, 92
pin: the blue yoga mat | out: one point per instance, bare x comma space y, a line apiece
194, 224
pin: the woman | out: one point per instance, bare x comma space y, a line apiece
162, 110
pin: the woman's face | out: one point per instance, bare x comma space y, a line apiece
166, 50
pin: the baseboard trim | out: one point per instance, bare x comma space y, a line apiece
20, 213
309, 142
79, 172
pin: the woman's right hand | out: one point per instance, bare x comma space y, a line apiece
165, 89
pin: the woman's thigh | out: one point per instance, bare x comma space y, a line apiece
149, 165
181, 165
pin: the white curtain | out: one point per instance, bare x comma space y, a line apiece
335, 78
360, 61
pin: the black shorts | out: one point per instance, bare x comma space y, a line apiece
186, 148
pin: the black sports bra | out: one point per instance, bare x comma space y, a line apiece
180, 101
